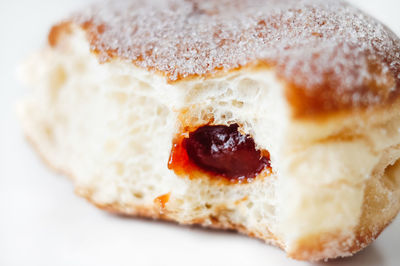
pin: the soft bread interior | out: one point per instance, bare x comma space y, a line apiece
111, 126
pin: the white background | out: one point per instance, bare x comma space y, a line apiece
43, 223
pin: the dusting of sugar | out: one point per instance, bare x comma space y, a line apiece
336, 54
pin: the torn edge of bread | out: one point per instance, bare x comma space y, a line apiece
335, 182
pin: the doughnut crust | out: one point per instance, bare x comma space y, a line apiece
331, 55
314, 83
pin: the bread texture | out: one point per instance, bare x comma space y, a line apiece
107, 116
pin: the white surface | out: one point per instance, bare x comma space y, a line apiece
43, 223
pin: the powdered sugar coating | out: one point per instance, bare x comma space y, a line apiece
332, 55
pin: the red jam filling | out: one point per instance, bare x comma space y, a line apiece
220, 150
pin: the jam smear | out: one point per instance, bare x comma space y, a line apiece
220, 150
161, 201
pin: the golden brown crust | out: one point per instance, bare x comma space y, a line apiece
331, 56
380, 206
324, 102
334, 245
310, 248
56, 31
